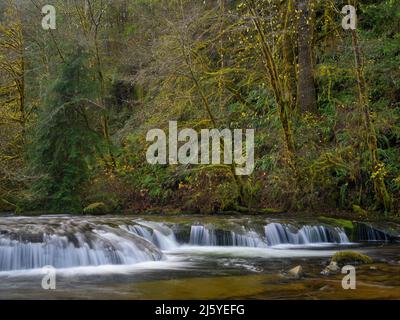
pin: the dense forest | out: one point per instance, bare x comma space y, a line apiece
77, 101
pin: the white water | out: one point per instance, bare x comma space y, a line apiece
277, 234
245, 252
156, 233
83, 245
55, 250
172, 263
202, 236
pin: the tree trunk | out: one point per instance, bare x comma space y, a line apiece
306, 94
288, 54
378, 168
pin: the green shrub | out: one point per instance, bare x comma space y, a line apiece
96, 208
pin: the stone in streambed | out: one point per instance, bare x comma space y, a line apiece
296, 272
351, 257
343, 258
325, 288
331, 268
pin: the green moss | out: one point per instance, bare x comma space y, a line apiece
347, 225
360, 211
271, 210
351, 257
173, 212
96, 208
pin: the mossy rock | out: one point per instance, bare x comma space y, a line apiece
351, 257
347, 225
97, 208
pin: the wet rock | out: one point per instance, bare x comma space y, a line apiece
350, 257
324, 263
383, 231
332, 268
373, 268
296, 272
325, 288
343, 258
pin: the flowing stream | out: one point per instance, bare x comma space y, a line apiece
114, 253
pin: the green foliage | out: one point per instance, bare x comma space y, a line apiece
211, 189
64, 145
153, 182
96, 208
205, 65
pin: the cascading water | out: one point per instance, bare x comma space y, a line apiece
158, 234
30, 243
277, 234
365, 232
203, 236
124, 256
249, 239
73, 247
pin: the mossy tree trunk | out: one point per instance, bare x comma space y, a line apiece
306, 93
288, 51
378, 168
282, 97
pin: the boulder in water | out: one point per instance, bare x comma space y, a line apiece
331, 268
325, 288
296, 272
350, 257
343, 258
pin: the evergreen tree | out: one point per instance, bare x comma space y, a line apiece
64, 144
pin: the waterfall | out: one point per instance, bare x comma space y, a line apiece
139, 230
201, 236
277, 233
63, 242
100, 247
158, 234
244, 241
248, 239
365, 232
